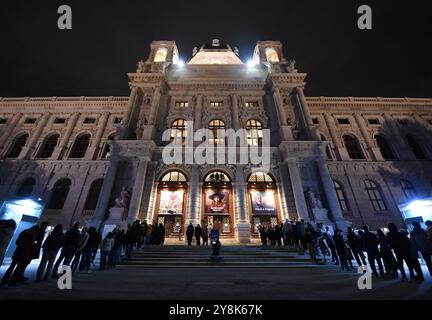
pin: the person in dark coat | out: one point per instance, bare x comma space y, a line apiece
370, 244
355, 246
278, 235
342, 251
98, 241
50, 247
7, 230
20, 258
70, 241
263, 235
189, 233
332, 246
388, 258
91, 245
161, 232
198, 234
205, 235
401, 245
420, 240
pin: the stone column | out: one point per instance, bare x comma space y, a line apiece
9, 129
137, 191
279, 104
373, 152
198, 112
242, 221
131, 105
235, 112
93, 150
61, 148
330, 194
105, 195
148, 129
30, 147
304, 108
194, 197
339, 149
297, 188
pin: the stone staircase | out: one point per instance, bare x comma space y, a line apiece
234, 256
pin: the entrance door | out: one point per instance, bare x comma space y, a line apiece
222, 223
171, 224
265, 221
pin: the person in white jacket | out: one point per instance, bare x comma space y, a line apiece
105, 248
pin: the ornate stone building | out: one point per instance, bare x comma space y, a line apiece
333, 160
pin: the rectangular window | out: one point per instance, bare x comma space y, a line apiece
252, 104
343, 121
30, 120
315, 121
373, 121
59, 120
89, 120
117, 120
181, 104
216, 104
3, 120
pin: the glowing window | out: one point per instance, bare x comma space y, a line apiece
174, 176
271, 55
217, 127
260, 177
181, 104
179, 131
254, 130
217, 177
160, 55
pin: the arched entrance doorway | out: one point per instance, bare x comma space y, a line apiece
263, 201
217, 203
171, 202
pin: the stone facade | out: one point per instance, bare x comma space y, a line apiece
79, 153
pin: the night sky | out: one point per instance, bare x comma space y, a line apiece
109, 37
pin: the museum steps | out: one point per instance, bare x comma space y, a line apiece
232, 257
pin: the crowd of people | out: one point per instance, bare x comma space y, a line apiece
77, 247
390, 250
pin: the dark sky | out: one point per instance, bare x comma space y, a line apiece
109, 37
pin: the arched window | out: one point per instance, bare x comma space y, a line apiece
254, 130
408, 189
217, 177
26, 188
384, 147
340, 193
106, 153
173, 176
59, 194
375, 196
271, 55
328, 150
93, 195
160, 55
48, 146
179, 131
80, 146
353, 147
217, 127
17, 146
415, 147
260, 177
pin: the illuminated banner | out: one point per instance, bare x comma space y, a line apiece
216, 202
263, 203
171, 202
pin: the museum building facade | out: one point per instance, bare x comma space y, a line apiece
334, 160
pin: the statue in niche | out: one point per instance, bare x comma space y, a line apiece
123, 200
291, 66
140, 66
139, 129
315, 200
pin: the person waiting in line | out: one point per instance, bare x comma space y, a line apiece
342, 251
95, 250
7, 230
388, 258
332, 246
355, 246
309, 240
414, 256
20, 257
278, 235
161, 231
262, 233
420, 240
81, 243
205, 235
198, 234
370, 244
91, 245
50, 248
189, 233
105, 249
70, 240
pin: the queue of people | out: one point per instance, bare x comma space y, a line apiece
390, 251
